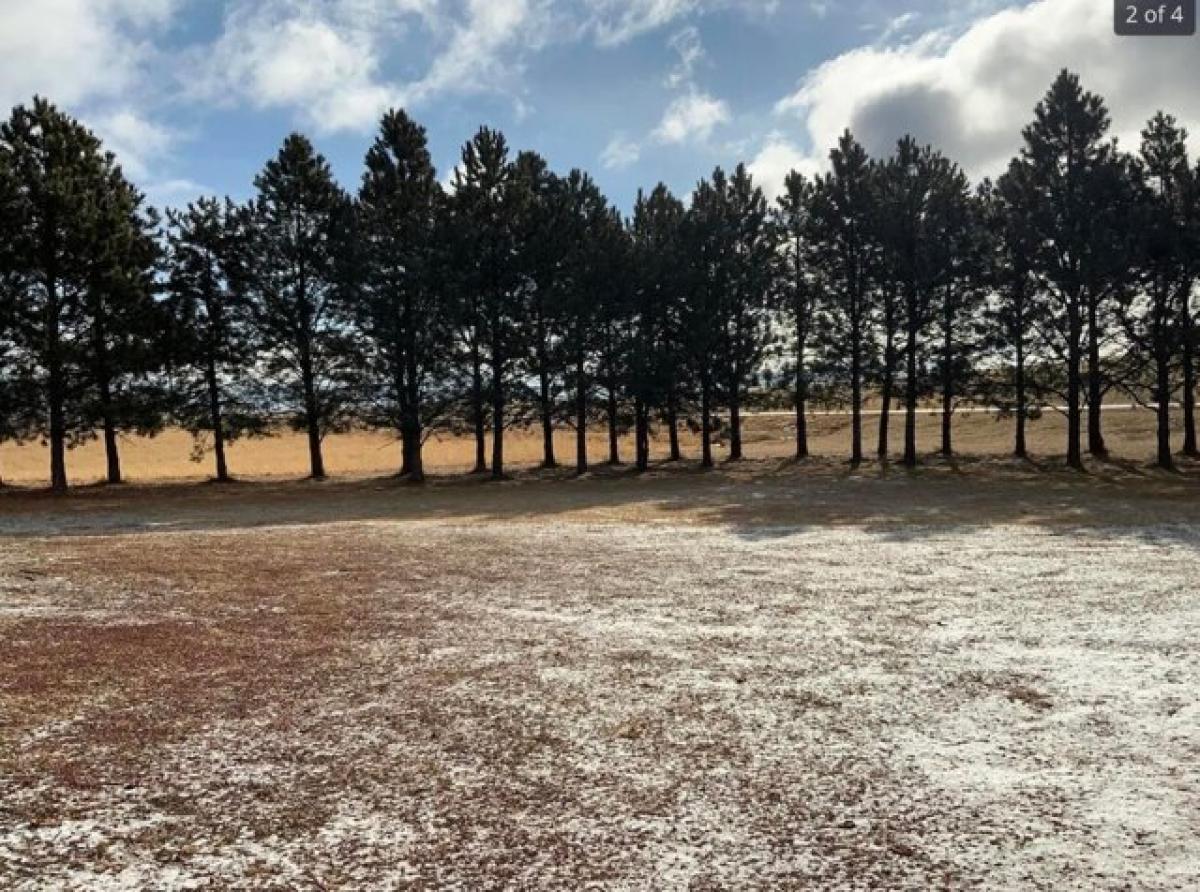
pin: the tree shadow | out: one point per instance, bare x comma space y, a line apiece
755, 498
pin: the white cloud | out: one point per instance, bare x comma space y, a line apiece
617, 21
687, 44
691, 118
136, 141
475, 59
325, 59
614, 22
74, 51
775, 160
970, 93
620, 152
288, 53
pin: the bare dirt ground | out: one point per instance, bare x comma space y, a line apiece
978, 675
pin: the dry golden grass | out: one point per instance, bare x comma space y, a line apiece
362, 454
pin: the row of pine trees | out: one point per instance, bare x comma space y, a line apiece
521, 297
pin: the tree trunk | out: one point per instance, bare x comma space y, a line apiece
948, 381
735, 418
112, 455
548, 459
614, 450
642, 434
673, 426
1190, 447
887, 385
856, 430
706, 458
313, 424
581, 456
479, 413
801, 401
1095, 389
1074, 388
1019, 448
216, 421
56, 397
497, 405
1163, 410
544, 399
910, 389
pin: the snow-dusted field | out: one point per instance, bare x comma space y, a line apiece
570, 704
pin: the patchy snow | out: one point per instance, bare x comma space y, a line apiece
627, 706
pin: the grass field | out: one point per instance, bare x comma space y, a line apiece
168, 456
978, 675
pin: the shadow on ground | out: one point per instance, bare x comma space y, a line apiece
757, 498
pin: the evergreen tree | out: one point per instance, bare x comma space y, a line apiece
542, 252
704, 283
402, 308
123, 319
1154, 324
797, 286
656, 355
1078, 224
1188, 312
300, 224
915, 258
53, 174
1016, 312
847, 254
748, 252
213, 348
582, 286
959, 297
486, 198
610, 251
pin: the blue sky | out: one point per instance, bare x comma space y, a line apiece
195, 95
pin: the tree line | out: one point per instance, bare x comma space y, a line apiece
520, 297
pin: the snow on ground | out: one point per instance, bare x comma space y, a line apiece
612, 706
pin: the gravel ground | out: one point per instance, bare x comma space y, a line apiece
653, 705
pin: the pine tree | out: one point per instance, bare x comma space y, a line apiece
796, 284
123, 318
213, 348
959, 297
402, 308
656, 351
847, 252
54, 171
485, 198
745, 319
1017, 311
543, 247
1155, 324
915, 258
300, 224
704, 283
1075, 174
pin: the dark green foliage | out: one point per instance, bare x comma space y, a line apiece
298, 241
521, 297
486, 203
401, 290
213, 345
1079, 215
657, 358
796, 289
847, 259
78, 280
